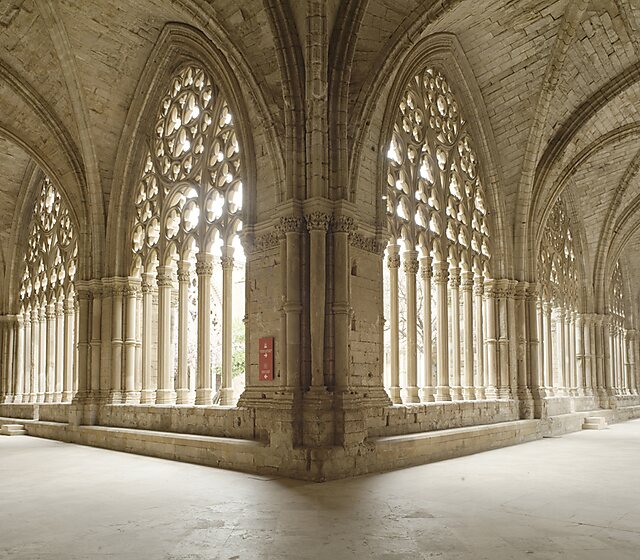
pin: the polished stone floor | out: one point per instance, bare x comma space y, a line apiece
574, 497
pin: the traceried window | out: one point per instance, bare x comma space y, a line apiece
185, 244
438, 225
559, 301
47, 300
618, 333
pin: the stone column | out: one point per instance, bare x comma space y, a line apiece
9, 384
523, 338
503, 295
69, 325
139, 321
570, 362
393, 262
560, 353
609, 371
165, 393
589, 370
441, 277
4, 358
83, 342
28, 356
454, 287
631, 353
148, 392
426, 392
183, 395
580, 366
548, 349
226, 388
467, 301
106, 335
480, 374
131, 396
411, 269
116, 395
204, 270
341, 227
19, 370
42, 359
59, 369
291, 228
94, 345
534, 321
491, 390
35, 353
317, 224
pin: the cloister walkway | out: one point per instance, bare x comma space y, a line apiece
574, 497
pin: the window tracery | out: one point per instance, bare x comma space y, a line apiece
188, 204
436, 211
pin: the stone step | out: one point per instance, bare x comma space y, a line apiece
594, 423
12, 430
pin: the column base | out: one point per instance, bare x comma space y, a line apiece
226, 397
17, 399
148, 396
115, 397
456, 393
184, 396
426, 394
411, 395
468, 393
204, 397
40, 398
57, 398
132, 397
49, 398
165, 396
443, 393
491, 393
480, 393
504, 393
394, 395
67, 396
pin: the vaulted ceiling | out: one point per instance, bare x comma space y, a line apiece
560, 80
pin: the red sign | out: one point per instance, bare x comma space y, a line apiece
265, 360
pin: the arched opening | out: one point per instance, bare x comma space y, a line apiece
438, 226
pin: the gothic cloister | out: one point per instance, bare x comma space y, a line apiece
318, 238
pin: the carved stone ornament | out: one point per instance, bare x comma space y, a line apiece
343, 224
368, 244
318, 221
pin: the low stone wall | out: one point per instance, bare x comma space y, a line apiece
54, 412
207, 421
555, 406
427, 417
24, 411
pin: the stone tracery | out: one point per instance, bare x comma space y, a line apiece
188, 208
435, 204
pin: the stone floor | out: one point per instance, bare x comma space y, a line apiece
575, 497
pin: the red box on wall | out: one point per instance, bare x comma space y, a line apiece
265, 359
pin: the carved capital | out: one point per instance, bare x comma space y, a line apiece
164, 280
393, 260
467, 281
289, 224
226, 262
454, 277
318, 221
343, 224
441, 273
411, 266
425, 267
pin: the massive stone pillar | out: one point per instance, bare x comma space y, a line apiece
148, 392
19, 369
548, 349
